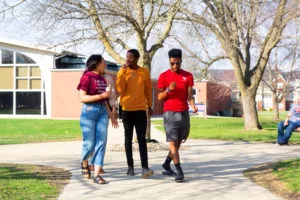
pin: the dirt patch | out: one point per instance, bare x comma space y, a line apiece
263, 175
56, 177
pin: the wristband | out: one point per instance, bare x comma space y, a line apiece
168, 90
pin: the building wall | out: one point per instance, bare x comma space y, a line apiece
216, 97
158, 106
201, 92
65, 100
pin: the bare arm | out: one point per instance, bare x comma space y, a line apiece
85, 98
113, 119
191, 99
112, 100
162, 94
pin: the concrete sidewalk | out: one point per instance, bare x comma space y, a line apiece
213, 169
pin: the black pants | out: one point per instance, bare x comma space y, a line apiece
137, 119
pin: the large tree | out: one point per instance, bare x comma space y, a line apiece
117, 24
247, 30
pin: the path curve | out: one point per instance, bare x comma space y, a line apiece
213, 169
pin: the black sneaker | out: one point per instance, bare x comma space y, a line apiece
180, 176
168, 170
146, 172
130, 171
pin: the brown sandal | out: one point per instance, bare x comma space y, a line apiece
99, 180
85, 171
101, 171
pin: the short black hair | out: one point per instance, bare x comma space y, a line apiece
175, 53
134, 52
93, 61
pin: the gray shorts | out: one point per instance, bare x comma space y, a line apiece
177, 125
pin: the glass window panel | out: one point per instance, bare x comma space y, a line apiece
6, 78
28, 103
35, 84
22, 71
35, 72
6, 103
23, 59
22, 84
7, 57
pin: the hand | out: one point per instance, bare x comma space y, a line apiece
286, 123
104, 95
195, 109
114, 121
150, 112
172, 86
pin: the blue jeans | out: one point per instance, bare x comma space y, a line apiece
284, 137
94, 123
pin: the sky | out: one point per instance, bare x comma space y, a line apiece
13, 27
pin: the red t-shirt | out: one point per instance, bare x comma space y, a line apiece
93, 84
177, 99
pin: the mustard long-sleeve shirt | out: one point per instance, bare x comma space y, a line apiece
135, 88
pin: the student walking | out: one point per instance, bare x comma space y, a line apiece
94, 94
134, 86
175, 87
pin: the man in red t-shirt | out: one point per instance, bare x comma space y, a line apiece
175, 87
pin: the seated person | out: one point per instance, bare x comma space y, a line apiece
291, 123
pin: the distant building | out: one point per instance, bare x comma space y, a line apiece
35, 81
264, 97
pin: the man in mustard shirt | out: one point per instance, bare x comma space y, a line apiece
135, 88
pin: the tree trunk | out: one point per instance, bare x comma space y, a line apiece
147, 64
275, 107
250, 111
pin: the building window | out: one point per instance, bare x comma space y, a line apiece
21, 85
7, 56
28, 77
28, 103
23, 59
6, 102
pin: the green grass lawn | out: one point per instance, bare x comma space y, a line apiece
232, 129
289, 172
31, 182
15, 131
